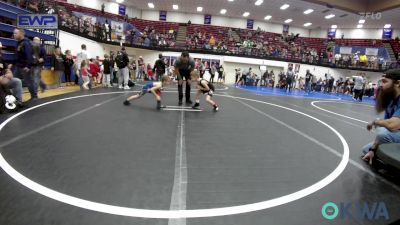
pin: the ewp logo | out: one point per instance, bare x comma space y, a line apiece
37, 21
357, 211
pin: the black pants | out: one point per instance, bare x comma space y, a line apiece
358, 94
184, 75
159, 75
212, 78
289, 85
236, 78
67, 74
243, 78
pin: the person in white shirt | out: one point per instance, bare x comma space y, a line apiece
337, 58
358, 87
238, 74
82, 56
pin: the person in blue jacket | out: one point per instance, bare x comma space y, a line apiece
24, 61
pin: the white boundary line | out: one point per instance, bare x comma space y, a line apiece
178, 107
269, 94
182, 109
167, 214
338, 114
179, 190
353, 103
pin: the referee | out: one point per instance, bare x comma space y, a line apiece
183, 70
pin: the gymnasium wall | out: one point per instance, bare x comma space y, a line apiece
354, 33
180, 17
73, 43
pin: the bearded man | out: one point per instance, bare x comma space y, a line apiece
388, 100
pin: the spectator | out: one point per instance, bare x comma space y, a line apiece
99, 31
388, 100
4, 91
122, 61
33, 6
212, 41
146, 41
289, 79
150, 73
264, 79
257, 79
39, 54
9, 82
107, 71
213, 71
132, 70
238, 74
243, 78
309, 78
102, 8
220, 74
94, 70
24, 61
68, 65
358, 87
84, 73
82, 56
58, 66
159, 67
107, 29
112, 65
141, 68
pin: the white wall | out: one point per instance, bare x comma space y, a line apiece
73, 42
319, 33
396, 33
353, 33
178, 17
111, 7
277, 66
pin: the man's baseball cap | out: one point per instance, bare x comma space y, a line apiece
393, 74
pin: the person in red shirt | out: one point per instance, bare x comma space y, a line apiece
150, 72
94, 70
85, 75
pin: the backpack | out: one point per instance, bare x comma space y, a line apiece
119, 60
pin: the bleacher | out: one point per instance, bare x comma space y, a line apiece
396, 47
160, 26
382, 52
78, 8
219, 33
360, 42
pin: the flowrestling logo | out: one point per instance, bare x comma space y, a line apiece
355, 211
37, 21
